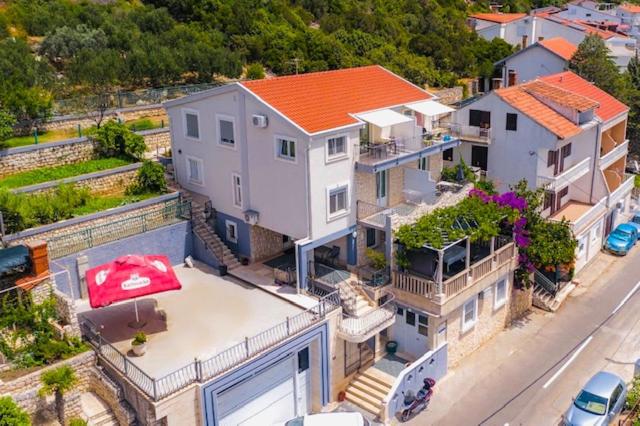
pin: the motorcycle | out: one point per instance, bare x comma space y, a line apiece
414, 403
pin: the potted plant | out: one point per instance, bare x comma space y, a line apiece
139, 344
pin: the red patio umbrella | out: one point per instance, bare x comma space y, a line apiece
129, 277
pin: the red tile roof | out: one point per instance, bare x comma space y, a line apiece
560, 47
559, 96
519, 98
609, 107
632, 8
499, 18
325, 100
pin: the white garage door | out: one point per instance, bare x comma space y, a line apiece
261, 400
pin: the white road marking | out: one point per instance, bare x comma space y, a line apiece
569, 361
626, 298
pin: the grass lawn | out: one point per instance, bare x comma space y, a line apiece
96, 204
147, 123
47, 174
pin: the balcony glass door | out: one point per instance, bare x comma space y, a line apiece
382, 181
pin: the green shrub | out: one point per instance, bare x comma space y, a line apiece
114, 139
377, 259
255, 71
633, 396
636, 181
150, 179
7, 121
486, 186
450, 174
77, 422
139, 339
11, 414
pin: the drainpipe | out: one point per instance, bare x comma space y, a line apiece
307, 187
596, 156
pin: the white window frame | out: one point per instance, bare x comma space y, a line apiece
231, 224
497, 302
278, 156
339, 213
341, 155
468, 325
232, 119
195, 112
234, 193
200, 163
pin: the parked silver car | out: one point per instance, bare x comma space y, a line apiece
598, 403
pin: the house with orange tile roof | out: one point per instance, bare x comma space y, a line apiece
543, 25
549, 56
560, 133
303, 181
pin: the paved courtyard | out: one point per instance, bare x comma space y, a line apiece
209, 314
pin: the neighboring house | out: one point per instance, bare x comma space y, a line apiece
629, 16
309, 176
549, 56
568, 137
526, 30
587, 10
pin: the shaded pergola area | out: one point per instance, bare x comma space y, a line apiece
455, 255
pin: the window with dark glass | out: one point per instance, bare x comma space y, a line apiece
480, 118
303, 360
447, 154
548, 200
512, 121
411, 318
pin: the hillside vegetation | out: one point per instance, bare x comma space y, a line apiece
62, 48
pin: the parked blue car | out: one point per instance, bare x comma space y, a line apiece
635, 221
622, 239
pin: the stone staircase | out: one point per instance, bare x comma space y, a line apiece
368, 389
200, 226
547, 295
96, 411
355, 301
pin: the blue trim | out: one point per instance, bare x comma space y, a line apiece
302, 252
211, 390
407, 158
352, 250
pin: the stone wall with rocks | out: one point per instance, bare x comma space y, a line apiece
79, 224
449, 95
106, 182
521, 302
24, 390
88, 120
264, 243
23, 159
31, 157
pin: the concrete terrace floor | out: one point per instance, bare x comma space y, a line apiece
209, 314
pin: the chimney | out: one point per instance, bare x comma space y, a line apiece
39, 257
512, 78
496, 83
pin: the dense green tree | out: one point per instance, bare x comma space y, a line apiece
593, 62
254, 72
11, 414
65, 42
7, 121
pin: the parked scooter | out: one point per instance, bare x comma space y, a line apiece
414, 403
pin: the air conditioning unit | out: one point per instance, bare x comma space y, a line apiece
251, 217
260, 120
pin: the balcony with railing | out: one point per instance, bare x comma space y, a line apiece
470, 133
579, 214
569, 175
616, 152
458, 267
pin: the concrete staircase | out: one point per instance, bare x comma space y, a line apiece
368, 389
355, 301
544, 300
215, 245
96, 411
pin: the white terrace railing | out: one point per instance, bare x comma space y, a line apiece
202, 371
358, 328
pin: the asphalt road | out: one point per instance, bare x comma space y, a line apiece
528, 375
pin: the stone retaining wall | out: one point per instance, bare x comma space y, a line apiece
76, 225
106, 182
126, 114
70, 151
521, 302
24, 390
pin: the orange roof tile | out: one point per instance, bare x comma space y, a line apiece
325, 100
499, 18
609, 107
560, 47
542, 114
632, 8
558, 95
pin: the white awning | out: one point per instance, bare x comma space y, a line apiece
384, 118
430, 108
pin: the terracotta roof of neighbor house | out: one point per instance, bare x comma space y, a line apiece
609, 107
632, 8
560, 96
499, 18
325, 100
560, 47
524, 101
